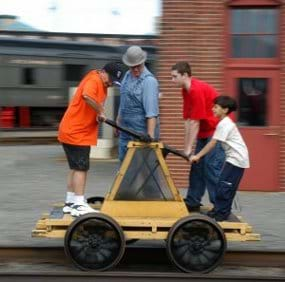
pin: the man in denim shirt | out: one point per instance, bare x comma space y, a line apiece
139, 92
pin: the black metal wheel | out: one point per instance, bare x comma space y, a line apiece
196, 244
94, 241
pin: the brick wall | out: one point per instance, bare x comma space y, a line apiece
193, 31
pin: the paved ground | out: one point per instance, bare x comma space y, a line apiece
33, 177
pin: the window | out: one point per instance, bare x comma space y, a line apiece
252, 97
254, 32
28, 77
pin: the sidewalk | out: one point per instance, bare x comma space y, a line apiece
32, 178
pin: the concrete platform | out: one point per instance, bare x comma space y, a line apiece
32, 178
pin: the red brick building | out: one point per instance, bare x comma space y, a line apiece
237, 46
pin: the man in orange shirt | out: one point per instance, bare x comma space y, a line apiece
78, 130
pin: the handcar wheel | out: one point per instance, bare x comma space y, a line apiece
94, 242
196, 244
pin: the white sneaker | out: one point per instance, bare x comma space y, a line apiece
82, 209
67, 207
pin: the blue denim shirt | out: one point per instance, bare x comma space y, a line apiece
138, 101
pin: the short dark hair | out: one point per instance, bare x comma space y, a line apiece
226, 102
182, 67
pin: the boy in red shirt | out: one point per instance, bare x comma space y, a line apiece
200, 124
78, 130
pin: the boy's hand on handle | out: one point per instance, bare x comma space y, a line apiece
194, 159
187, 155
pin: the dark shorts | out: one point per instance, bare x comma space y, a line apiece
77, 156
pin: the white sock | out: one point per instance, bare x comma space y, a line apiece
79, 200
69, 197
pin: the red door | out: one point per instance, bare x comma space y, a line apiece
258, 117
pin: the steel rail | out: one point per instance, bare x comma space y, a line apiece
75, 276
147, 255
134, 268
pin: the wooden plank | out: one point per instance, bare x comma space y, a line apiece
55, 234
231, 236
141, 222
65, 221
41, 224
50, 226
45, 215
242, 227
145, 235
39, 233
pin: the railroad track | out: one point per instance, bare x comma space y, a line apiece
28, 137
136, 266
29, 141
146, 255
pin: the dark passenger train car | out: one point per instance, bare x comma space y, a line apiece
37, 77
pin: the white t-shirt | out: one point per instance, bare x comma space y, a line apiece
232, 142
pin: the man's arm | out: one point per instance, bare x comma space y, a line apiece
96, 106
191, 131
151, 123
150, 104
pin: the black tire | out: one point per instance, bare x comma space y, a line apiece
94, 241
196, 244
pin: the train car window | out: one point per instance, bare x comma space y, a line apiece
28, 76
74, 72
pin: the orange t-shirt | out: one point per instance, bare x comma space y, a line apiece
78, 125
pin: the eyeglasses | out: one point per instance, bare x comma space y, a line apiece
136, 67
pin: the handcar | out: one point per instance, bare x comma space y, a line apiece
143, 204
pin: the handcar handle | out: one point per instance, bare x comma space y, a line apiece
139, 136
167, 149
146, 138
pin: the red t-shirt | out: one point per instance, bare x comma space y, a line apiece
198, 104
78, 125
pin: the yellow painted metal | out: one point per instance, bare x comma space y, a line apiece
148, 220
121, 173
132, 146
163, 209
167, 175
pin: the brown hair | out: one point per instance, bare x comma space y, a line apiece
182, 67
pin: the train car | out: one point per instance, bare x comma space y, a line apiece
37, 77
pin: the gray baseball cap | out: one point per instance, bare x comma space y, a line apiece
134, 56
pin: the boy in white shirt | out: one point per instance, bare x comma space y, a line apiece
236, 157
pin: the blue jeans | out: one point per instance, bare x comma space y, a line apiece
205, 174
226, 189
135, 124
123, 143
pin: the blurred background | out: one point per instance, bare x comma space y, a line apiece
236, 45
